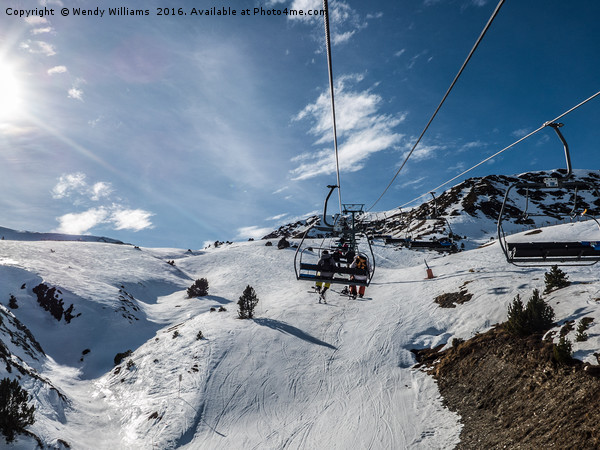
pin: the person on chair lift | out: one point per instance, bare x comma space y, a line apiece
327, 268
360, 262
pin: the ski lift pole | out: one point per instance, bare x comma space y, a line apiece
429, 271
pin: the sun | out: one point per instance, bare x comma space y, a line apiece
10, 92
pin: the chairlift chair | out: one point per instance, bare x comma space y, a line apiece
443, 244
574, 252
307, 254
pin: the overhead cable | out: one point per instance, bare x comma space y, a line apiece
330, 69
487, 26
505, 148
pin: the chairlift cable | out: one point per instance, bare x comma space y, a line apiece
485, 29
330, 70
504, 149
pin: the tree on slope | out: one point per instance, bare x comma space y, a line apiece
198, 289
535, 317
555, 279
15, 415
247, 303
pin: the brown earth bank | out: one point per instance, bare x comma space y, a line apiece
511, 393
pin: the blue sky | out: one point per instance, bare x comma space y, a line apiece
178, 130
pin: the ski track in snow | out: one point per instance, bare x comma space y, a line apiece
300, 375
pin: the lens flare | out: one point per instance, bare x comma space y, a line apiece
10, 92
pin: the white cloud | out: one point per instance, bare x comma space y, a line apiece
459, 167
361, 130
416, 57
67, 184
36, 20
416, 182
100, 190
41, 30
253, 232
75, 187
344, 20
423, 151
81, 223
38, 47
117, 216
520, 132
472, 144
280, 190
278, 216
76, 94
57, 69
400, 52
131, 219
51, 2
305, 5
343, 37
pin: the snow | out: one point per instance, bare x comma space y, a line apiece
300, 375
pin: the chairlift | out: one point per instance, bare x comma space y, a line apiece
440, 244
574, 252
338, 232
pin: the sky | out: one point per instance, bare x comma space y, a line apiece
181, 129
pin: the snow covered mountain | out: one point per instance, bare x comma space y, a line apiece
469, 211
14, 235
115, 355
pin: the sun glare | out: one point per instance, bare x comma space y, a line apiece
10, 92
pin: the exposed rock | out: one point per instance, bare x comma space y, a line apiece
510, 393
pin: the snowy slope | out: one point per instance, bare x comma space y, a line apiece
14, 235
301, 375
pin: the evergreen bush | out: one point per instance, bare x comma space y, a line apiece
563, 351
247, 303
15, 415
555, 279
12, 302
517, 322
582, 327
535, 317
540, 315
198, 289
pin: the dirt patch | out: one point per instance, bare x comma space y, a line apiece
452, 299
510, 393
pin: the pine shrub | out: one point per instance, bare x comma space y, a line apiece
555, 279
563, 351
247, 303
535, 317
12, 302
198, 289
15, 415
517, 321
540, 314
582, 327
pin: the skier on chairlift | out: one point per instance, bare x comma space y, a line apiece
327, 267
360, 262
